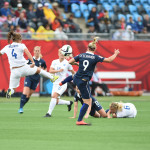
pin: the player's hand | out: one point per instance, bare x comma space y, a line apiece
72, 117
117, 51
32, 65
61, 70
86, 116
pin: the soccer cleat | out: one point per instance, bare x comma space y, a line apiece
20, 111
8, 94
82, 123
54, 78
69, 106
47, 115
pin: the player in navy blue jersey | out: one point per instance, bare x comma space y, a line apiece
31, 82
96, 109
87, 62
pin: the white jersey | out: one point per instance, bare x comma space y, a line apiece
128, 111
57, 65
15, 53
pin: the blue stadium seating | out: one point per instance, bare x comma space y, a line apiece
112, 2
84, 10
144, 2
135, 16
128, 16
120, 3
137, 3
107, 7
121, 16
147, 8
75, 9
149, 2
90, 6
132, 9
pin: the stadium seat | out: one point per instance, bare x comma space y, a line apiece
121, 16
136, 3
84, 10
125, 9
144, 2
114, 18
100, 8
111, 14
120, 3
135, 16
112, 2
90, 6
147, 8
50, 6
149, 2
132, 9
109, 8
116, 9
128, 16
75, 9
141, 10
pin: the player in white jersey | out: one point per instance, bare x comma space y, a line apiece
60, 68
18, 64
122, 110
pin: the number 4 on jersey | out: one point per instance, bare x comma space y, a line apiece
14, 54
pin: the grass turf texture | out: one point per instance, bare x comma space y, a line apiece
32, 131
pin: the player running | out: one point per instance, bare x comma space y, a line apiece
59, 67
96, 109
122, 110
18, 64
31, 82
87, 62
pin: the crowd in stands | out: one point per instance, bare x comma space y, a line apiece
101, 16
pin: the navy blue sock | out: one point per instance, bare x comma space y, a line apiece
27, 99
83, 111
22, 100
107, 110
68, 79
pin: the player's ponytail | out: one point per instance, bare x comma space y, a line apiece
15, 37
92, 45
116, 106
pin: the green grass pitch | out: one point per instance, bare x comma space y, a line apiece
31, 131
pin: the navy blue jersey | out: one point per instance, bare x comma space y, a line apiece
39, 63
87, 62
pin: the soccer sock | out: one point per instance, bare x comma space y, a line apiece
46, 74
12, 91
68, 79
27, 99
63, 102
22, 100
83, 111
52, 105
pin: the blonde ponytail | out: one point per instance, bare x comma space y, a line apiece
92, 45
116, 106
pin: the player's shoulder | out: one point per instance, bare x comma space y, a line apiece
42, 60
55, 61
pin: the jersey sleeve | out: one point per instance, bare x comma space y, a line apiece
76, 58
53, 64
44, 65
3, 51
24, 47
100, 58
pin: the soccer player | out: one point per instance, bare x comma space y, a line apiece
87, 62
18, 64
31, 82
96, 109
59, 67
122, 110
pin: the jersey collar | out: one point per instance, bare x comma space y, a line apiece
90, 53
37, 59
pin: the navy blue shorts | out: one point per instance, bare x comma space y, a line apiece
96, 106
83, 86
30, 83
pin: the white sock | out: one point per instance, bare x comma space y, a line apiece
52, 105
46, 74
12, 91
63, 102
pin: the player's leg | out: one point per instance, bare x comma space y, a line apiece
96, 115
102, 113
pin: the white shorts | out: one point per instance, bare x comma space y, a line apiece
59, 89
17, 73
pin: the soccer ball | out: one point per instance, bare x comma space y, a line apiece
66, 50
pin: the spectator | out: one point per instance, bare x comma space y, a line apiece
93, 19
128, 34
121, 24
92, 31
144, 30
132, 24
11, 28
22, 22
74, 28
20, 10
5, 27
29, 31
60, 35
139, 25
55, 24
48, 12
31, 16
146, 22
55, 9
10, 21
96, 82
66, 28
5, 11
2, 20
18, 29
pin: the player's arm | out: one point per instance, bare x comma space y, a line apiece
52, 70
114, 115
73, 72
75, 109
109, 114
89, 109
30, 57
111, 58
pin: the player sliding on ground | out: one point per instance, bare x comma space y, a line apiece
18, 64
87, 62
31, 82
122, 110
60, 68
